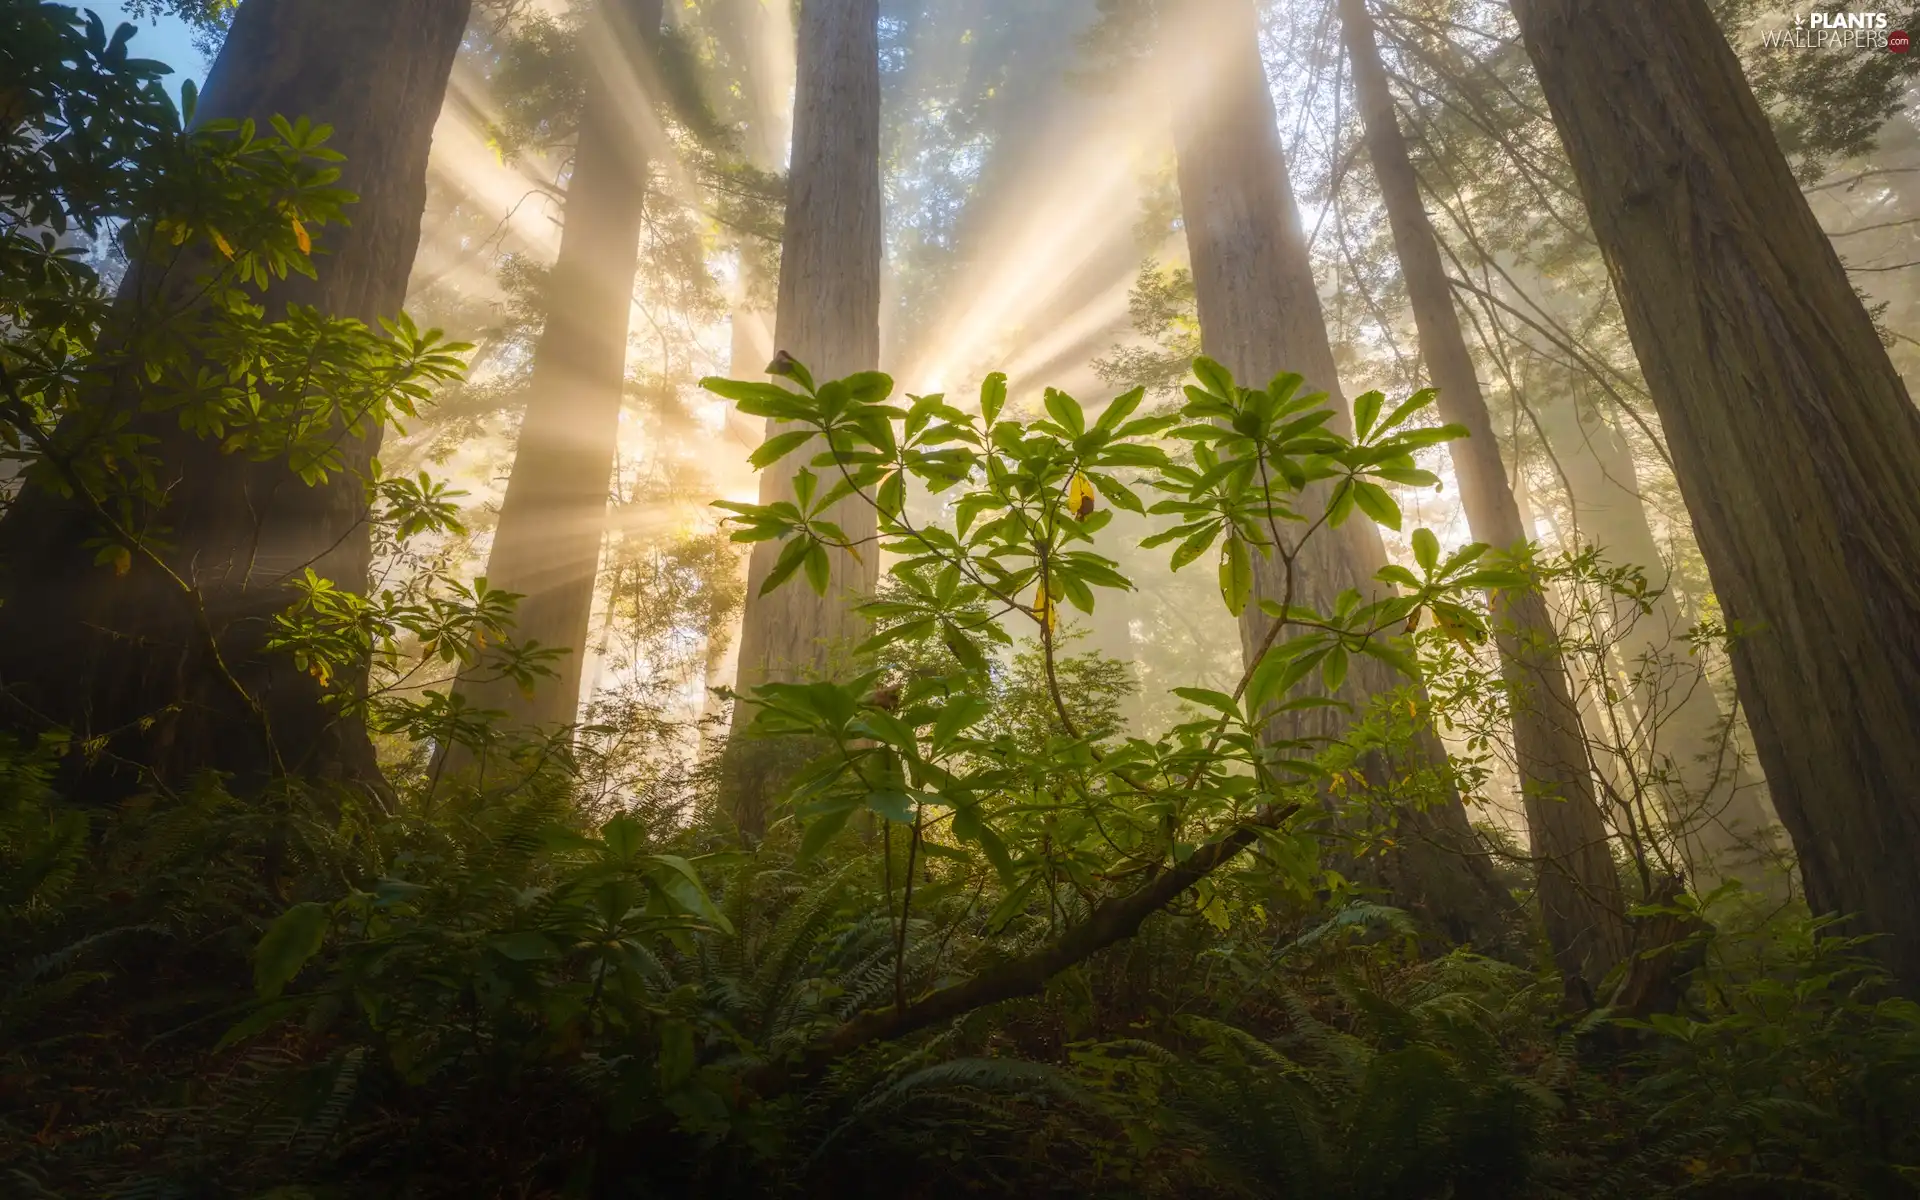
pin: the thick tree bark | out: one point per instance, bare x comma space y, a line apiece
1678, 732
554, 517
827, 317
1260, 314
1580, 896
1793, 438
154, 671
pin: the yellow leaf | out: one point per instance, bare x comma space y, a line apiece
122, 560
300, 236
1216, 914
1465, 635
221, 242
1043, 607
1081, 497
319, 671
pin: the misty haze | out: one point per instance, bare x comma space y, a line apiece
959, 598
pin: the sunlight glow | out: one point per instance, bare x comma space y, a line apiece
1077, 195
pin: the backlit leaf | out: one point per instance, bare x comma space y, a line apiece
1081, 497
1236, 574
293, 938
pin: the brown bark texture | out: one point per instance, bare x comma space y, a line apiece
553, 519
828, 318
1260, 314
131, 659
1668, 946
1581, 902
1794, 440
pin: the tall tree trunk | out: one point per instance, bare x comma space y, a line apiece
554, 517
747, 29
827, 317
1259, 314
1680, 733
1793, 438
749, 32
750, 344
151, 670
716, 673
1580, 896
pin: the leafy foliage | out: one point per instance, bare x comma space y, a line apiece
1024, 498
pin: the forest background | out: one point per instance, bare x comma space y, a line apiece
1533, 922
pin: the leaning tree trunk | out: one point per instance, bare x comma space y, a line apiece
1580, 896
828, 318
1711, 793
554, 517
155, 672
1793, 438
1259, 314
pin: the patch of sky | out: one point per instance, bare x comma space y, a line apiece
167, 39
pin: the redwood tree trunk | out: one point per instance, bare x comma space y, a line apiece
1793, 438
126, 659
827, 317
554, 517
1679, 732
1260, 314
747, 29
1580, 896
